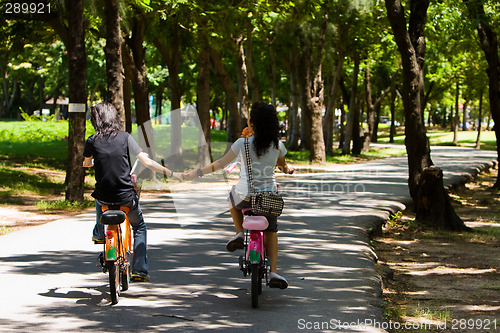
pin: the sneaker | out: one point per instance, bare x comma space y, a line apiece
277, 281
138, 277
97, 240
235, 243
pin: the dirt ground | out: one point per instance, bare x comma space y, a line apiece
445, 282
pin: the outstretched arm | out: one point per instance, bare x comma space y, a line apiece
217, 165
157, 167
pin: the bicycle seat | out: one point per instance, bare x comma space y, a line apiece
255, 222
112, 217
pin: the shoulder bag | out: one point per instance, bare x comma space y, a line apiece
266, 203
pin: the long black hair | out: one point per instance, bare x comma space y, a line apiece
264, 121
105, 119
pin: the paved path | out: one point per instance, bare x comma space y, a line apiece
49, 281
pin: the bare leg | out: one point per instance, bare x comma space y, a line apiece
237, 216
271, 240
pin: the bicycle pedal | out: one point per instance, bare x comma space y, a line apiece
100, 262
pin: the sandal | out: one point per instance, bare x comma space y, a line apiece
277, 281
235, 244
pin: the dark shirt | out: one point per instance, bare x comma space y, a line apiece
112, 166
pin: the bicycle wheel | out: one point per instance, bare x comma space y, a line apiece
114, 281
256, 284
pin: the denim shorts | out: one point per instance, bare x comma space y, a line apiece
236, 201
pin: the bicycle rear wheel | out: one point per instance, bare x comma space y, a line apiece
114, 281
256, 284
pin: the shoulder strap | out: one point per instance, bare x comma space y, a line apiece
249, 166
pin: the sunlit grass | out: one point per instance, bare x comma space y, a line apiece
5, 230
302, 157
64, 205
440, 137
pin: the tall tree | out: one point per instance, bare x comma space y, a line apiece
431, 202
75, 174
488, 39
311, 85
114, 65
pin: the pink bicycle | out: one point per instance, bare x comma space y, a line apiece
254, 260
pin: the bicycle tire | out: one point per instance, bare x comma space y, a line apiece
256, 284
114, 281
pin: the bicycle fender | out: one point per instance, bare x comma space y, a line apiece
111, 244
254, 257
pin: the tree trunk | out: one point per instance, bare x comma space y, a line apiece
431, 202
328, 123
373, 109
357, 142
75, 174
242, 74
114, 65
464, 115
272, 62
455, 117
303, 84
127, 97
233, 123
353, 109
203, 98
311, 98
254, 83
135, 65
392, 132
294, 118
479, 120
489, 43
170, 53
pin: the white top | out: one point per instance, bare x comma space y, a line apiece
262, 168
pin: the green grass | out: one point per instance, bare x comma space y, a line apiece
64, 205
35, 142
480, 235
4, 230
16, 180
440, 137
302, 157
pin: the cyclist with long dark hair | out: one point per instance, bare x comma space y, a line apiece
266, 152
109, 151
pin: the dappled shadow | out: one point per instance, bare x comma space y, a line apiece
196, 285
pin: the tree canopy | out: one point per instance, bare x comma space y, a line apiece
329, 66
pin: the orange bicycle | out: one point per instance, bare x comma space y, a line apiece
115, 259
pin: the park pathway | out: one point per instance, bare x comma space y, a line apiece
49, 281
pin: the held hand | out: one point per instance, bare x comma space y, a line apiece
289, 169
190, 175
178, 176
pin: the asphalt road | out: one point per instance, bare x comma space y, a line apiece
49, 280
